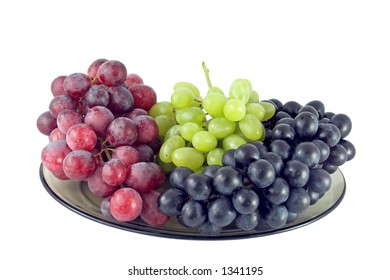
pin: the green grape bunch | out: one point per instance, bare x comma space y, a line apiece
196, 131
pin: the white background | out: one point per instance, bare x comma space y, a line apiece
335, 51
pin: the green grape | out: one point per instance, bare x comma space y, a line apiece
188, 157
182, 98
240, 89
234, 110
204, 141
162, 108
269, 110
250, 127
254, 98
215, 156
221, 127
256, 110
189, 129
196, 103
215, 90
213, 104
195, 91
166, 166
164, 123
232, 141
200, 169
174, 130
239, 133
169, 146
190, 114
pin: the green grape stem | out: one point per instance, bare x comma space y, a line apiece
104, 149
207, 74
197, 99
103, 142
108, 155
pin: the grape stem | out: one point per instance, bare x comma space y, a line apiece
106, 152
207, 74
104, 149
108, 155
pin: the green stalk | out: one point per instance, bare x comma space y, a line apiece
107, 153
207, 74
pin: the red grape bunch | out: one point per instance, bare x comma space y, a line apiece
100, 132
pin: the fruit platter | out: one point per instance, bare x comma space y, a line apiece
213, 165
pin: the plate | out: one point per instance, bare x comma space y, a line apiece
77, 197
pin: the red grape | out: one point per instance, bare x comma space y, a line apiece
93, 69
150, 213
105, 207
56, 134
120, 99
147, 129
46, 123
144, 96
133, 79
126, 204
127, 154
98, 186
60, 103
146, 153
155, 145
97, 95
114, 172
145, 176
99, 118
67, 118
81, 137
60, 174
79, 165
53, 155
122, 132
77, 84
112, 73
135, 113
57, 86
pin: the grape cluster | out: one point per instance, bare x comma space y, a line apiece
196, 131
270, 181
232, 160
100, 132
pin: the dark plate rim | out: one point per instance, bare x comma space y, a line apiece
158, 233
